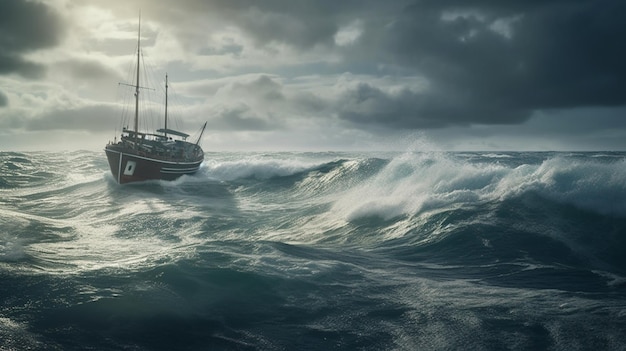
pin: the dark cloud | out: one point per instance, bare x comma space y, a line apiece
486, 61
26, 26
95, 118
495, 62
88, 70
92, 118
366, 104
300, 23
241, 118
263, 86
4, 100
13, 63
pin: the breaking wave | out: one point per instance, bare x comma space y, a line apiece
330, 250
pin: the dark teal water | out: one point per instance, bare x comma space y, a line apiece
316, 251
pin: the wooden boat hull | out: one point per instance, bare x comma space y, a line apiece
127, 167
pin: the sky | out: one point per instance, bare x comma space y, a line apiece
323, 75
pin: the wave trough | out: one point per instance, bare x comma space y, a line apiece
279, 251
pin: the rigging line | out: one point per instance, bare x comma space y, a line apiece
125, 102
147, 117
126, 96
177, 112
160, 92
154, 96
151, 98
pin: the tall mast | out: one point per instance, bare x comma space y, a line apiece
166, 86
137, 84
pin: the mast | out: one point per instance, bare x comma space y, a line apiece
137, 84
166, 86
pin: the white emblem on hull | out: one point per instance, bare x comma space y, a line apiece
130, 168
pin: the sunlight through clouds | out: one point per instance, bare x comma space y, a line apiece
446, 69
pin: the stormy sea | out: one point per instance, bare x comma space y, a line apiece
316, 251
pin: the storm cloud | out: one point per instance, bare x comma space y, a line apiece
474, 68
26, 26
486, 62
496, 62
4, 101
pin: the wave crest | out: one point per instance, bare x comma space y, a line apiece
255, 167
414, 183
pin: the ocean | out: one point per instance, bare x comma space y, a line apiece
316, 251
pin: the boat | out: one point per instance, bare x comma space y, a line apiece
162, 155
